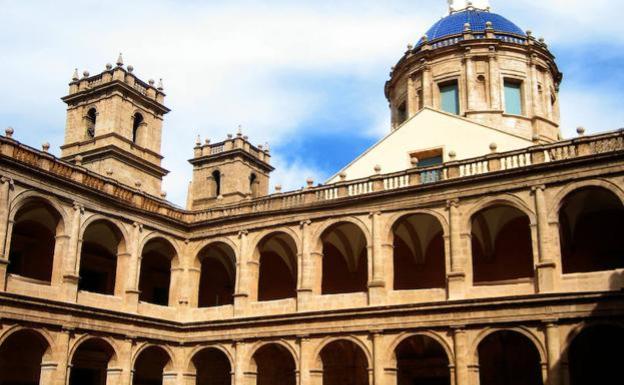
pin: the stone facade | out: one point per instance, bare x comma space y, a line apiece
506, 268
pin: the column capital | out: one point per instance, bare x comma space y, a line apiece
6, 179
138, 226
540, 187
374, 214
243, 233
304, 223
79, 207
452, 203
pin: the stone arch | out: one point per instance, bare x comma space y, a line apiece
422, 358
152, 235
260, 236
202, 245
23, 352
344, 360
150, 362
589, 221
190, 366
35, 237
344, 248
353, 339
276, 255
419, 250
43, 333
558, 199
396, 217
501, 232
273, 363
318, 233
217, 274
159, 258
492, 364
91, 359
211, 365
390, 353
102, 242
506, 199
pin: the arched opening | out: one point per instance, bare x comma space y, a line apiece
510, 358
149, 366
501, 245
101, 244
595, 356
91, 119
218, 275
422, 360
216, 180
274, 366
277, 277
212, 367
155, 275
419, 260
253, 185
590, 227
344, 363
345, 261
89, 365
21, 355
137, 123
33, 241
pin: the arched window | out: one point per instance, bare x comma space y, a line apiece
155, 275
216, 178
345, 261
277, 277
274, 365
150, 366
137, 122
252, 185
595, 356
422, 360
102, 243
33, 241
508, 357
91, 118
344, 362
21, 356
90, 363
590, 227
218, 275
501, 245
211, 367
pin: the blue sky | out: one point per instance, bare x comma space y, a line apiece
305, 76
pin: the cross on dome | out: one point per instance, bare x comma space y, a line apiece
460, 5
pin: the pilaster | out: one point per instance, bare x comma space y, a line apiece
456, 279
71, 272
132, 288
546, 267
461, 353
241, 294
376, 282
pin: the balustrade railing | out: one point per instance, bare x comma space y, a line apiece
561, 151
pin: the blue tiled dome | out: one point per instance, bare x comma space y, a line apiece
453, 24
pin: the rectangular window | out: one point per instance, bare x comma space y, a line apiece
513, 97
449, 98
402, 113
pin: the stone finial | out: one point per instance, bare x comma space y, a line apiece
410, 47
206, 141
425, 38
377, 169
75, 76
493, 147
85, 74
163, 194
580, 131
239, 131
266, 147
343, 176
78, 160
138, 184
9, 132
230, 136
535, 138
198, 141
278, 188
529, 33
151, 82
120, 62
130, 68
245, 137
541, 40
109, 172
109, 66
452, 154
489, 25
260, 147
467, 27
45, 146
160, 86
414, 161
310, 182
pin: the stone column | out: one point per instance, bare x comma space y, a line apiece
376, 282
495, 89
553, 349
305, 359
305, 278
378, 358
61, 354
457, 276
126, 365
411, 103
532, 96
241, 293
461, 352
546, 267
427, 86
470, 77
240, 351
5, 190
72, 260
134, 268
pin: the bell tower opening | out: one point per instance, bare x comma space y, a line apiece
109, 116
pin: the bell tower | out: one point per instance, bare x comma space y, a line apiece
114, 126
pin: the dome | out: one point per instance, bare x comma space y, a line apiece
453, 25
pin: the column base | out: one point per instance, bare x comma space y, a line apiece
456, 285
377, 292
131, 301
240, 303
545, 272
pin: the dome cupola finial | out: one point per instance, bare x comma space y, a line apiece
460, 5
